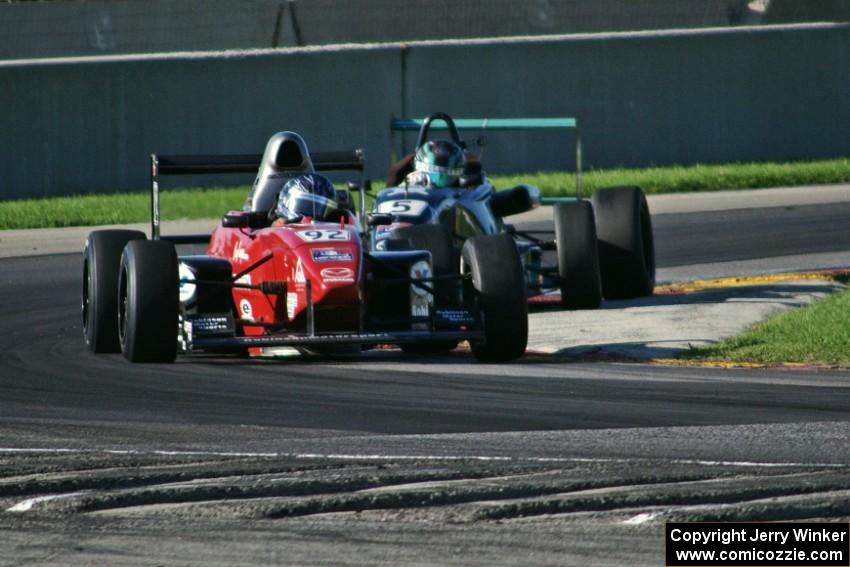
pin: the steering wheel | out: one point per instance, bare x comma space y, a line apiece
426, 126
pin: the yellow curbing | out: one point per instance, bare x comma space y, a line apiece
727, 364
698, 285
836, 275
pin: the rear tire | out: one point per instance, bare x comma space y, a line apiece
101, 262
148, 303
626, 247
498, 288
578, 257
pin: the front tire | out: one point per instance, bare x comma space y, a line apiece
578, 256
101, 262
626, 247
498, 287
148, 301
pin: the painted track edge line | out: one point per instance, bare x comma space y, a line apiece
401, 457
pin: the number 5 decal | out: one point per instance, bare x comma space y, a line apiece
403, 207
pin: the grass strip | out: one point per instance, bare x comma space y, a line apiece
686, 179
195, 203
90, 210
818, 334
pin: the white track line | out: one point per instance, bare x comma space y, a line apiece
30, 503
389, 457
642, 518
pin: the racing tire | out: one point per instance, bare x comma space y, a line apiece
99, 302
497, 287
626, 246
148, 303
437, 239
578, 256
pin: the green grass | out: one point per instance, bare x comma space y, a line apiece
816, 334
681, 179
211, 203
122, 208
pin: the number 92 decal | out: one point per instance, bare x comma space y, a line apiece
323, 235
403, 207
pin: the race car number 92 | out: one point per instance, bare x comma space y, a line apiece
403, 207
323, 235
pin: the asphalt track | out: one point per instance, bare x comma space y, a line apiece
392, 460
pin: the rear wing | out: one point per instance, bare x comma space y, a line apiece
353, 160
485, 124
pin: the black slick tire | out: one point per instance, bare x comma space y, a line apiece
101, 261
497, 287
578, 257
148, 301
626, 246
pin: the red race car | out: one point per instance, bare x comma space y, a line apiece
292, 270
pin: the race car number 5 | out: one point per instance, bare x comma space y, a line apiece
323, 235
403, 207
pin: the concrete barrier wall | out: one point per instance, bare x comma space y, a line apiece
88, 125
105, 27
786, 11
333, 21
65, 28
652, 98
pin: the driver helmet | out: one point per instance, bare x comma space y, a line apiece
311, 195
441, 162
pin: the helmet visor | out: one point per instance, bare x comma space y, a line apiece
440, 176
297, 203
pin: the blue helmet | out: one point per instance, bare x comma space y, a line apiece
311, 195
441, 161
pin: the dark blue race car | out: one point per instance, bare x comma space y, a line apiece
602, 247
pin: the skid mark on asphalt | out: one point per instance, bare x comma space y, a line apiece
419, 488
398, 457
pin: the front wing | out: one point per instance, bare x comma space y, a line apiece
303, 340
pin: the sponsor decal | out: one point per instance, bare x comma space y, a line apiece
331, 255
385, 230
419, 310
420, 269
291, 304
418, 189
246, 279
338, 274
420, 299
298, 276
245, 309
455, 315
210, 324
239, 253
187, 289
323, 235
403, 207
